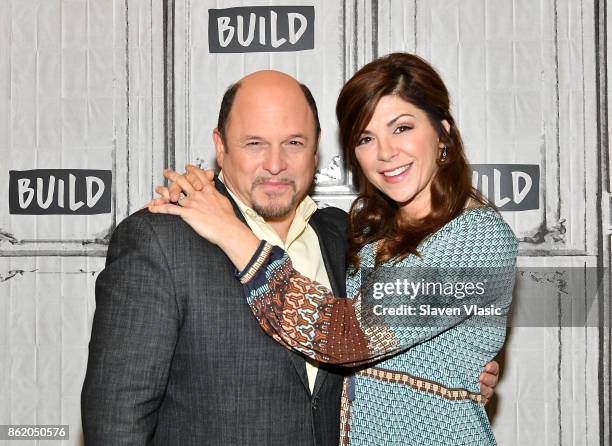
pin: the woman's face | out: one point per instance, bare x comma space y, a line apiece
397, 152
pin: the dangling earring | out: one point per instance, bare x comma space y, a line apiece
444, 153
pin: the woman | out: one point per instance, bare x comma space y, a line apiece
417, 215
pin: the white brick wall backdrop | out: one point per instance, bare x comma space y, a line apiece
82, 86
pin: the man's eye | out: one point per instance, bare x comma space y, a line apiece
402, 128
252, 143
294, 142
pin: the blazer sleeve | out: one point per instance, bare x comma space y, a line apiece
135, 328
304, 315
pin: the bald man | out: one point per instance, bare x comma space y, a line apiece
176, 357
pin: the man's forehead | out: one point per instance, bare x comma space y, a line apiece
273, 98
289, 115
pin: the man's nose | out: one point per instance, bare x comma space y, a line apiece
275, 161
386, 150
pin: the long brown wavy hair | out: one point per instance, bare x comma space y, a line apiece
373, 215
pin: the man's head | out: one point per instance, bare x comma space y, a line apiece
266, 142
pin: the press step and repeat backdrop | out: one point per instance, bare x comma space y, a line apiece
98, 96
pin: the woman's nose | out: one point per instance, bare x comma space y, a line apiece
386, 150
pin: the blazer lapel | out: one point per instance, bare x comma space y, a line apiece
299, 363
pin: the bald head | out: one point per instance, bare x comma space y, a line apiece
275, 87
269, 79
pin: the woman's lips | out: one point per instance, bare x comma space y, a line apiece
396, 175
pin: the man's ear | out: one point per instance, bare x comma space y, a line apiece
219, 147
317, 150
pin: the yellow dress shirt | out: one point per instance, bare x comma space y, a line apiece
302, 246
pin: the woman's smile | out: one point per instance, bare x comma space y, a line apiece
397, 174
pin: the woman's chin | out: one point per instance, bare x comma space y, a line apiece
400, 197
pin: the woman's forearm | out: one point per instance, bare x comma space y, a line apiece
239, 244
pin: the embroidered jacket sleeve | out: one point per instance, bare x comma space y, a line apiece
304, 315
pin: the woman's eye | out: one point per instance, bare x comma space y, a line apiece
402, 128
364, 140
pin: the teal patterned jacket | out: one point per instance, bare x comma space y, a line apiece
416, 376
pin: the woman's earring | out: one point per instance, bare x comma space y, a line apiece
444, 153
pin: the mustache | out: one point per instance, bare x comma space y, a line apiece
261, 180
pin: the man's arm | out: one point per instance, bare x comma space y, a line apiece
133, 337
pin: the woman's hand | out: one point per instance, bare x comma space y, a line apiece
194, 178
207, 211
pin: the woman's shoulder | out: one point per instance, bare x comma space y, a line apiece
480, 220
478, 233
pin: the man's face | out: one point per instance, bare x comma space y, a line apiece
269, 155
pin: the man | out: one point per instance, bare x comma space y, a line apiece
176, 358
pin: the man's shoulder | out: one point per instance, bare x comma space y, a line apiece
331, 218
145, 219
162, 227
333, 213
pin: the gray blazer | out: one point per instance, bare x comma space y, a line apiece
177, 358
